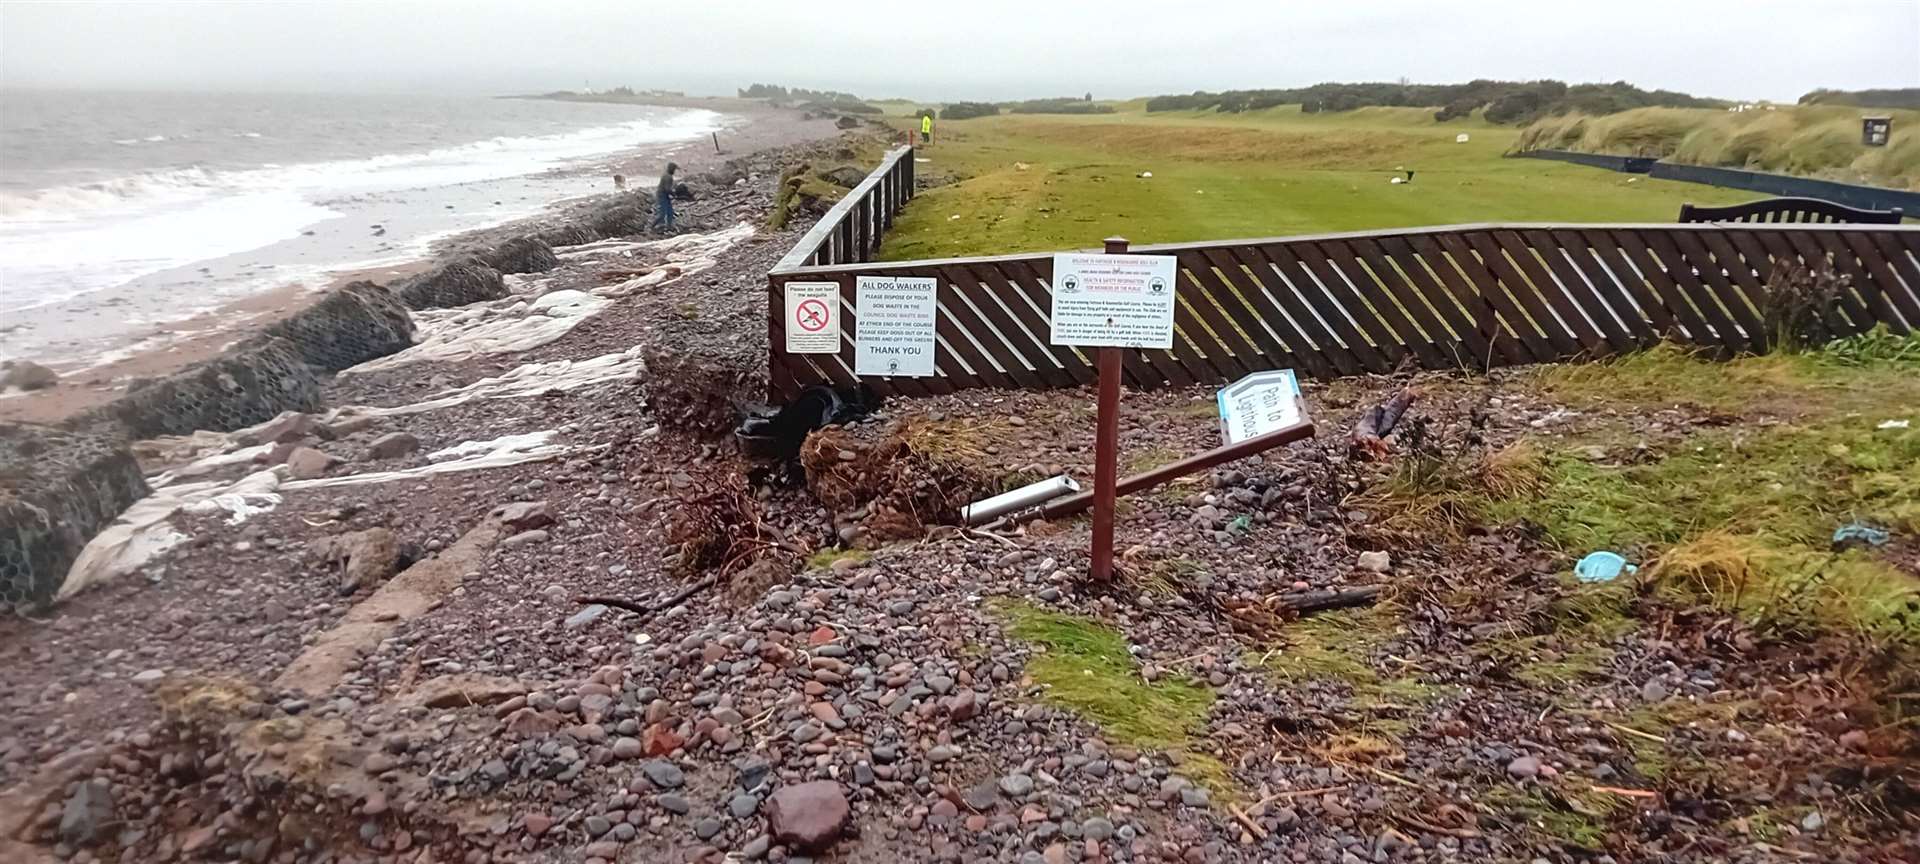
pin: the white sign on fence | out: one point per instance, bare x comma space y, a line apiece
813, 318
1119, 301
894, 333
1259, 403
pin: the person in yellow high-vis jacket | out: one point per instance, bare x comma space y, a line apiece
926, 128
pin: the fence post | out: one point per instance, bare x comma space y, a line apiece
779, 377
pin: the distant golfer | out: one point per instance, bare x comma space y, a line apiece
663, 199
926, 128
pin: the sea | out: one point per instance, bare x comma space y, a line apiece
122, 212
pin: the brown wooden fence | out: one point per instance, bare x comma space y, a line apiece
1461, 296
851, 231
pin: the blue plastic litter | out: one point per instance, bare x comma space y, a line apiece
1859, 534
1602, 567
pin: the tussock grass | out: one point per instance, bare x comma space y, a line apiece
1813, 140
1566, 813
824, 558
1736, 516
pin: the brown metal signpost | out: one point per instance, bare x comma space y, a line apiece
1106, 448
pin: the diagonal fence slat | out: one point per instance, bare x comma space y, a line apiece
1469, 296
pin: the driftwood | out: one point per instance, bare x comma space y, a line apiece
646, 609
1368, 440
1310, 602
1269, 615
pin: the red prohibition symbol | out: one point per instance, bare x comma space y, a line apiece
812, 316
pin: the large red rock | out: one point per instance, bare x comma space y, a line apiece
808, 816
659, 739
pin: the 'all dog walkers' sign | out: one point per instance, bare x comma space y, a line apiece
1113, 301
813, 318
894, 333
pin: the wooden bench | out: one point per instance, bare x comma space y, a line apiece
1789, 210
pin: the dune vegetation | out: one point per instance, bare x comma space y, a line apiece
1820, 141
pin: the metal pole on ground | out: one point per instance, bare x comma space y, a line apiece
1106, 449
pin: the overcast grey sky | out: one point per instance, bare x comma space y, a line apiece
993, 49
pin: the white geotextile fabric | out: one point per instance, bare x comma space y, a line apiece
515, 324
504, 327
470, 456
531, 379
144, 530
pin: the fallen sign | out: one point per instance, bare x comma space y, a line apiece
1068, 506
1260, 403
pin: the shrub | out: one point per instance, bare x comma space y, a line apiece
1065, 105
968, 110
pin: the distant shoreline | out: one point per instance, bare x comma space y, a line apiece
753, 126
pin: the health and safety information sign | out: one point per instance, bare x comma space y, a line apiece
1115, 301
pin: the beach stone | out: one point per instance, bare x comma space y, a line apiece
457, 691
306, 463
26, 375
627, 748
585, 616
286, 428
673, 803
361, 559
1375, 562
961, 706
1524, 767
526, 538
525, 515
392, 445
808, 816
1016, 785
87, 810
663, 774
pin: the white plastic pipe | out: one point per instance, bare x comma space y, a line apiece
1030, 495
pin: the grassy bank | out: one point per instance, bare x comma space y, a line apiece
1036, 182
1820, 141
1739, 513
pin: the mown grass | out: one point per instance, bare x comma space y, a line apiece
1087, 669
1041, 182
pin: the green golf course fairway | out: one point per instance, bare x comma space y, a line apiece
1032, 182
